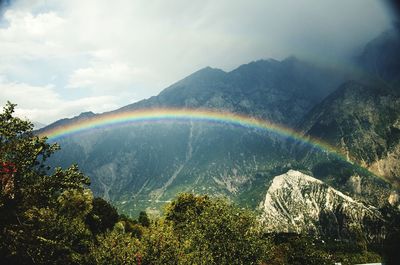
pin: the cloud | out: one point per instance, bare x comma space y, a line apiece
29, 36
51, 106
105, 77
3, 5
127, 50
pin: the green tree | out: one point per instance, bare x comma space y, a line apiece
102, 217
116, 248
161, 245
144, 219
41, 215
391, 245
212, 231
303, 250
131, 226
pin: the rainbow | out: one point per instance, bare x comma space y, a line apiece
118, 119
151, 116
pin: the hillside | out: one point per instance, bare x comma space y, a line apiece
148, 164
362, 118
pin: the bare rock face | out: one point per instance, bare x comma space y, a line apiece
388, 165
363, 122
296, 202
362, 117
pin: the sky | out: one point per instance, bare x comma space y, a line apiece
59, 58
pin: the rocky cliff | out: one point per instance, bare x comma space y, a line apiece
296, 202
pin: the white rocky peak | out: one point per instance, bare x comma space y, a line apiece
296, 202
297, 180
292, 178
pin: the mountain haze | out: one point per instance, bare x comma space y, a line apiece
362, 118
279, 91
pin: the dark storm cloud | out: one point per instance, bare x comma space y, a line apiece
3, 5
394, 7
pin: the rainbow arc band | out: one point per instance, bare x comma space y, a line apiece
157, 115
120, 119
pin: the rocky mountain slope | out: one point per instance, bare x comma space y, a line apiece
146, 165
298, 203
362, 118
279, 91
364, 122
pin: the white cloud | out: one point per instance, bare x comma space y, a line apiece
43, 104
31, 36
106, 77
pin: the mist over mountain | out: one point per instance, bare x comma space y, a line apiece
362, 117
279, 91
380, 59
38, 125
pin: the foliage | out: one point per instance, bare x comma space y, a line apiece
194, 230
102, 217
41, 215
392, 242
212, 231
357, 258
144, 219
297, 249
52, 238
131, 226
161, 245
303, 249
115, 247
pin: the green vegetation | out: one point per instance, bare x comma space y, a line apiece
42, 216
102, 217
52, 218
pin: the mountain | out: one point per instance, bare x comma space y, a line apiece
37, 125
144, 165
298, 186
380, 59
362, 118
278, 91
298, 203
364, 122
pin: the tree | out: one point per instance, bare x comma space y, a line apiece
41, 215
115, 248
391, 244
303, 250
161, 245
144, 219
102, 217
212, 231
